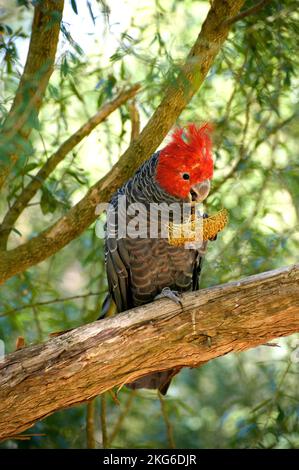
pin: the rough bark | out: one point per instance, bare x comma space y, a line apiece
38, 380
179, 93
33, 83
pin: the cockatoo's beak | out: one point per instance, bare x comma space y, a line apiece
200, 191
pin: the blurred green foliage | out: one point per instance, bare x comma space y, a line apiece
251, 96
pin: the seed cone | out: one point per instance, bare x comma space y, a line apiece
179, 234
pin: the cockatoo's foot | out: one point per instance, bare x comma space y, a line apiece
170, 294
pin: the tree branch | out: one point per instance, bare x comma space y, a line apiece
179, 93
122, 416
168, 425
90, 427
49, 302
79, 365
250, 11
33, 83
31, 189
244, 151
135, 120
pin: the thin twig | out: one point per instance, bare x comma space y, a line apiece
258, 203
36, 183
48, 302
90, 427
257, 144
24, 116
26, 437
275, 129
243, 148
250, 11
231, 99
273, 400
247, 223
135, 120
105, 440
168, 425
114, 397
122, 417
37, 324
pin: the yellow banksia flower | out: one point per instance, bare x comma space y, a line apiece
210, 227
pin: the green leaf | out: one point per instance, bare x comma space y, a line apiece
23, 3
48, 202
74, 6
34, 120
110, 84
101, 98
91, 12
65, 67
123, 72
80, 178
54, 92
29, 167
16, 231
75, 90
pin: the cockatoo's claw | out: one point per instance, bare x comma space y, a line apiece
173, 295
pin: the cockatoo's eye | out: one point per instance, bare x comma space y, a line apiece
185, 176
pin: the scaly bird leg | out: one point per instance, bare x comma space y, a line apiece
170, 294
